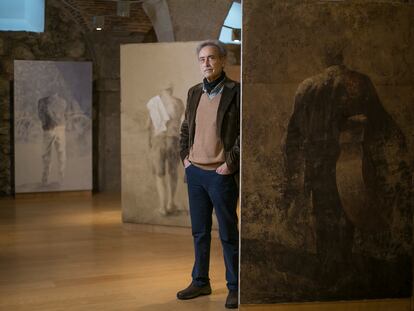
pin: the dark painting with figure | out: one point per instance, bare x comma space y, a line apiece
328, 151
347, 162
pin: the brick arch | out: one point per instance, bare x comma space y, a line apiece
83, 11
72, 8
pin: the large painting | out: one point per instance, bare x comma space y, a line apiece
327, 151
155, 79
52, 126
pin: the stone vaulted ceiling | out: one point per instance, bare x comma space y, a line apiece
85, 10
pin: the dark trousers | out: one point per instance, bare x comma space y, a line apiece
207, 189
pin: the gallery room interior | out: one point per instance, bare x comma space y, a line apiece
94, 207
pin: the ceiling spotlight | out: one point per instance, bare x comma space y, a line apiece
98, 22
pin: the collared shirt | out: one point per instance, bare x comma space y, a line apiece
218, 89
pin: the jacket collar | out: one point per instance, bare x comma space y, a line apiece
227, 95
228, 86
229, 91
228, 83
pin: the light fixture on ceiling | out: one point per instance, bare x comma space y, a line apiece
98, 22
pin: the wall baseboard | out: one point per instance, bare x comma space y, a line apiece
53, 195
360, 305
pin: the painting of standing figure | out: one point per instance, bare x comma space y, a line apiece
155, 79
165, 117
52, 117
52, 114
327, 151
347, 161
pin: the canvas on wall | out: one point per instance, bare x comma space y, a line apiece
155, 79
327, 151
52, 126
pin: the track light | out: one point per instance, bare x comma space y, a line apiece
98, 22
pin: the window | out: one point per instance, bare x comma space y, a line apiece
22, 15
230, 32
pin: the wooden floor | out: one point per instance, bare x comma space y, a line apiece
73, 253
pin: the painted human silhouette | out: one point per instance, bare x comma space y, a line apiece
165, 114
344, 154
52, 114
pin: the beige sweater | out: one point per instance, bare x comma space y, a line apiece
207, 151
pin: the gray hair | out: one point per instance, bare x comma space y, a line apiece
219, 45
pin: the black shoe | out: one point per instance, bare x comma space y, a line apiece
194, 291
232, 301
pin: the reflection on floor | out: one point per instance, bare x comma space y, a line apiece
74, 254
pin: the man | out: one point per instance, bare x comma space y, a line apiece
210, 151
336, 149
165, 112
52, 114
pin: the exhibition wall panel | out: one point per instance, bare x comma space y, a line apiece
327, 150
155, 79
52, 126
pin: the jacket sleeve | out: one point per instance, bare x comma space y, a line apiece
184, 132
233, 158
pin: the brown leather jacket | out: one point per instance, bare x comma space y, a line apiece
228, 122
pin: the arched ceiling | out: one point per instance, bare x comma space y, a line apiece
192, 20
85, 10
